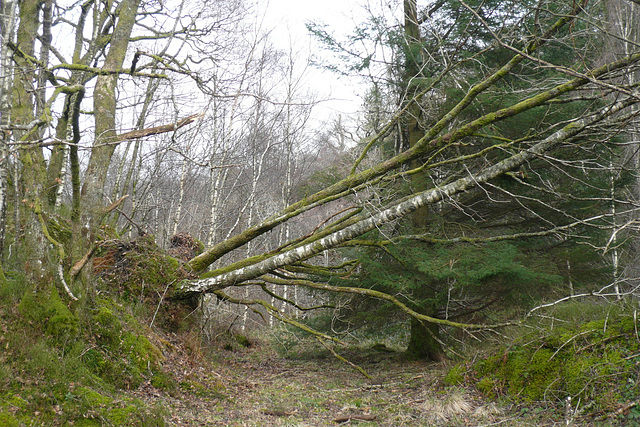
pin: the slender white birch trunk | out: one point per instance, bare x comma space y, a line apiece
615, 260
218, 179
7, 27
625, 25
183, 177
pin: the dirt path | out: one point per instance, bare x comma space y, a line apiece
256, 387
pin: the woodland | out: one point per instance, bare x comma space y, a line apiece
181, 228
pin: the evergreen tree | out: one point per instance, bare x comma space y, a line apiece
522, 204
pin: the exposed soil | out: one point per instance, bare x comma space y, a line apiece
257, 387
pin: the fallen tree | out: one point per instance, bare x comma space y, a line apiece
610, 109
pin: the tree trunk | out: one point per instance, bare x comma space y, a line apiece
105, 120
32, 243
8, 17
424, 341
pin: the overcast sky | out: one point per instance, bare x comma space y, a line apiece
293, 14
287, 18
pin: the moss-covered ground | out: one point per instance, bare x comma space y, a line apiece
65, 366
64, 362
110, 368
583, 359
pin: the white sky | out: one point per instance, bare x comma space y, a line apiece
287, 18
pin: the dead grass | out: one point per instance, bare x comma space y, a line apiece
257, 387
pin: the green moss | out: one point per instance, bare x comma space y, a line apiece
140, 352
67, 363
124, 356
126, 375
62, 324
456, 374
515, 374
577, 375
94, 360
40, 357
488, 386
624, 326
528, 375
91, 399
107, 327
163, 381
12, 289
8, 420
489, 365
592, 361
17, 405
208, 275
595, 328
31, 307
51, 312
558, 337
87, 407
158, 270
243, 340
14, 401
539, 373
123, 416
134, 414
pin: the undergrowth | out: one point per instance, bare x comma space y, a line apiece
582, 358
72, 363
77, 363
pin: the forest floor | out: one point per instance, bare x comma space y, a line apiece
258, 387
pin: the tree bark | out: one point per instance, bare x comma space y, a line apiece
32, 242
424, 341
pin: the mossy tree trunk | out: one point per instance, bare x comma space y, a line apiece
424, 340
32, 161
104, 104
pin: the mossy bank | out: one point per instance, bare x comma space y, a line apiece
73, 363
590, 368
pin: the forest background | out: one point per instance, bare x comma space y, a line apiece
491, 174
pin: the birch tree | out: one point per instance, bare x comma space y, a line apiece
8, 18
